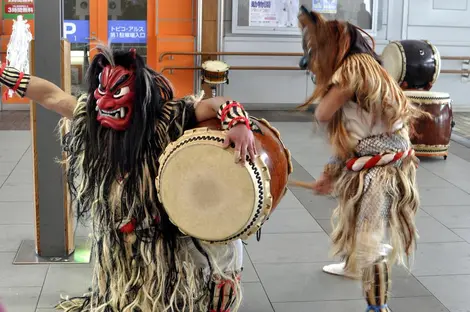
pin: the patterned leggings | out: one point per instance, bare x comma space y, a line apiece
376, 283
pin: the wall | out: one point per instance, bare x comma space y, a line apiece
445, 23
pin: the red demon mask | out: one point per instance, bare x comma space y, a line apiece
115, 97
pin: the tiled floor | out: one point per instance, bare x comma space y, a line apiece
462, 124
283, 271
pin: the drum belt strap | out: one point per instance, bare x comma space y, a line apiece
367, 162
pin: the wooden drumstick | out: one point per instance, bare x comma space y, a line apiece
307, 185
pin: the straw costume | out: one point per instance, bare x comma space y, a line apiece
373, 170
118, 130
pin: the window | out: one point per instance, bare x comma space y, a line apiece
279, 17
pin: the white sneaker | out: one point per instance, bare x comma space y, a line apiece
338, 269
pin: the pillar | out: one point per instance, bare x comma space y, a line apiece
209, 35
50, 60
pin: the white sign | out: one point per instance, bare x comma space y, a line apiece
287, 13
69, 29
263, 13
325, 6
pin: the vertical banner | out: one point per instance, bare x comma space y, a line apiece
13, 8
325, 6
263, 13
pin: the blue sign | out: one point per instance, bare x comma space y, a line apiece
261, 4
78, 31
127, 31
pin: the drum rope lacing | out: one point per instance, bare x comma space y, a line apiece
256, 172
367, 162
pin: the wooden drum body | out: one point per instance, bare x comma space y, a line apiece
210, 197
432, 134
215, 72
415, 64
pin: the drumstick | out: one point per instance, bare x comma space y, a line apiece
307, 185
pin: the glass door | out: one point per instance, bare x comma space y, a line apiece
78, 29
127, 25
120, 23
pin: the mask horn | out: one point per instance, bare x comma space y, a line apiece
313, 17
133, 52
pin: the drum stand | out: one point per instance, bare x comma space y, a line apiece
214, 84
214, 90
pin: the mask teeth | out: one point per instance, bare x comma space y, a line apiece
122, 112
97, 109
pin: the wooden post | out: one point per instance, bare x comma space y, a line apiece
68, 246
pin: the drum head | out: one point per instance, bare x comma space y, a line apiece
429, 95
437, 58
205, 194
394, 62
215, 66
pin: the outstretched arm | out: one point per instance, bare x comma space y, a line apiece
39, 90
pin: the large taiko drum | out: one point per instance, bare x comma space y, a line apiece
432, 136
414, 63
210, 197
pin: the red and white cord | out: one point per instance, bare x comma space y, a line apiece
367, 162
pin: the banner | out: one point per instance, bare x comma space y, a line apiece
78, 31
325, 6
263, 13
13, 8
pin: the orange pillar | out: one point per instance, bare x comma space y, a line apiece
152, 57
98, 24
175, 32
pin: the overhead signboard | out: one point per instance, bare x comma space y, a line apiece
78, 31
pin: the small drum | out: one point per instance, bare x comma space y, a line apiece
210, 197
415, 62
432, 135
215, 72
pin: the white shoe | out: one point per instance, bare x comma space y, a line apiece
338, 269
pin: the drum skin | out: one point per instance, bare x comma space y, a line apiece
419, 64
275, 155
433, 134
213, 74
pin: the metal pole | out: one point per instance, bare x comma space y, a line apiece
220, 35
199, 43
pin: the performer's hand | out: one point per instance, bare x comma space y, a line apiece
323, 186
244, 142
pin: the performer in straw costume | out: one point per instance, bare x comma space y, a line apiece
117, 132
373, 171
